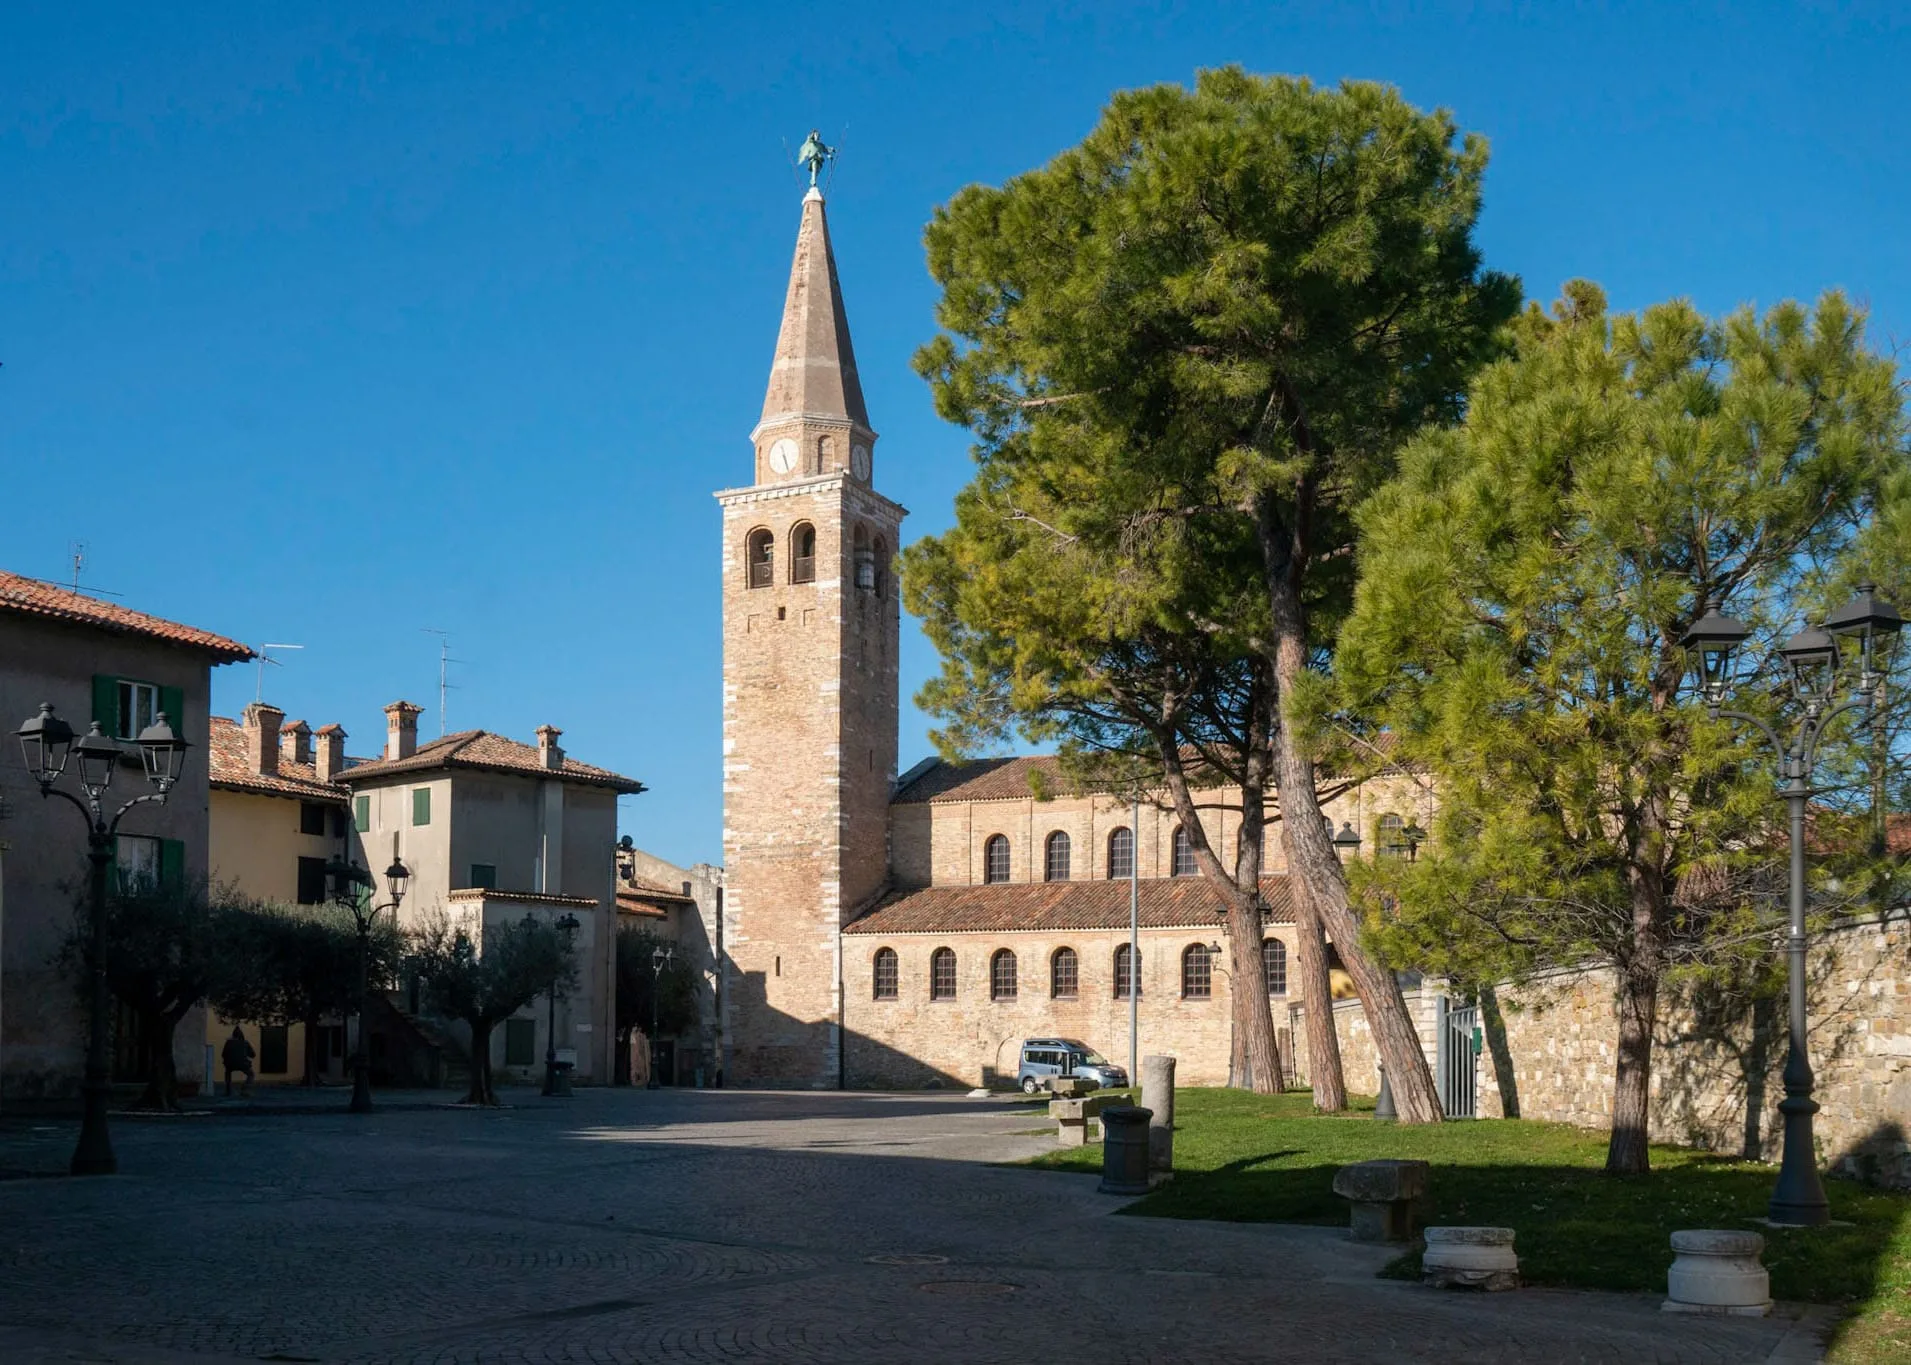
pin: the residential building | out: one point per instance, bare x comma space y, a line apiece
93, 661
278, 815
493, 830
683, 907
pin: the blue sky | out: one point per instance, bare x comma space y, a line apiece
328, 328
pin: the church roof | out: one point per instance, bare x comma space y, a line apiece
1011, 907
814, 370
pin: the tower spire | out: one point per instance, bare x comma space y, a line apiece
813, 374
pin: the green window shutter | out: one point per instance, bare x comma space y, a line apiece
172, 700
106, 702
362, 813
172, 864
421, 806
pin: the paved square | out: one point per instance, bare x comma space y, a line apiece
709, 1226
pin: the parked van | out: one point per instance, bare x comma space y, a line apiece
1046, 1059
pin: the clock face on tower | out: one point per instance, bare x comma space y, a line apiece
859, 460
783, 455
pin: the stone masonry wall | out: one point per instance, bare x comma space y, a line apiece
913, 1041
1716, 1077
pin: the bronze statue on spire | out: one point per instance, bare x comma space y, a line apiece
813, 154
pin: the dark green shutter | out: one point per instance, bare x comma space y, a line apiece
421, 806
362, 813
172, 864
106, 702
172, 700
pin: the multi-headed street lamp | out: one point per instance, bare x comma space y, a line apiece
352, 887
659, 959
48, 745
1826, 691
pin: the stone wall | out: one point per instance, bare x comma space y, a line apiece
1716, 1072
913, 1041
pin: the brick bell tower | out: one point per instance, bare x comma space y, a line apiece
810, 623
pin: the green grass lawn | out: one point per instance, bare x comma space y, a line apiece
1270, 1158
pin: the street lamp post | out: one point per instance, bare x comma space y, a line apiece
47, 743
565, 926
659, 959
352, 887
1347, 844
1813, 655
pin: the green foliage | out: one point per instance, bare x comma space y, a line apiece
1268, 1159
518, 961
297, 964
639, 985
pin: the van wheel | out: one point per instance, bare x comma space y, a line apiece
1030, 1085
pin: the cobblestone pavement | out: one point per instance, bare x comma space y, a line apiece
709, 1226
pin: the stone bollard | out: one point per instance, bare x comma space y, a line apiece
1382, 1195
1470, 1258
1157, 1094
1124, 1150
1718, 1272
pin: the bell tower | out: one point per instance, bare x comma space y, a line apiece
810, 629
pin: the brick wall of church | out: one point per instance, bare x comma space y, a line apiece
913, 1041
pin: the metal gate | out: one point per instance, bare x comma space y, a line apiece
1459, 1059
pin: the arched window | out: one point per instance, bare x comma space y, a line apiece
1121, 853
886, 974
760, 559
824, 450
1392, 835
1002, 975
803, 553
1064, 974
1197, 972
942, 976
1127, 975
879, 567
1055, 857
1274, 965
1182, 864
865, 562
995, 859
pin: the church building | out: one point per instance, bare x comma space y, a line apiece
903, 932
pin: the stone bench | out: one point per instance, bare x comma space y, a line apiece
1382, 1195
1072, 1116
1067, 1087
1718, 1271
1470, 1258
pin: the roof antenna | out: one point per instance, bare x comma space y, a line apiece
265, 657
444, 659
77, 549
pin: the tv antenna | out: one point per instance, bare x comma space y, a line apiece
77, 551
265, 657
444, 661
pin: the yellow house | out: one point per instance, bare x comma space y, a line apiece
278, 815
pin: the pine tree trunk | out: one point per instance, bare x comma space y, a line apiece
1325, 1074
480, 1090
1311, 859
1638, 1006
1259, 1054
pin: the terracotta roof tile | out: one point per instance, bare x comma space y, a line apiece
486, 752
231, 771
31, 597
1165, 903
631, 904
491, 893
649, 890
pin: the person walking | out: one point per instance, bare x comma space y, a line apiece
237, 1056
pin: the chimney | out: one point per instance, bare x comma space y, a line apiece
295, 743
548, 753
401, 729
261, 724
331, 752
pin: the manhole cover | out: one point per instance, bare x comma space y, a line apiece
909, 1258
969, 1287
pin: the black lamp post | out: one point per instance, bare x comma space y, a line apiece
565, 926
659, 959
48, 745
352, 888
1814, 659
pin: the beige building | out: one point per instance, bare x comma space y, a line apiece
493, 830
683, 906
884, 932
94, 661
278, 815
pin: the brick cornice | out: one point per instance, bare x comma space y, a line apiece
853, 492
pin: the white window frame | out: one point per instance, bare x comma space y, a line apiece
137, 858
133, 717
